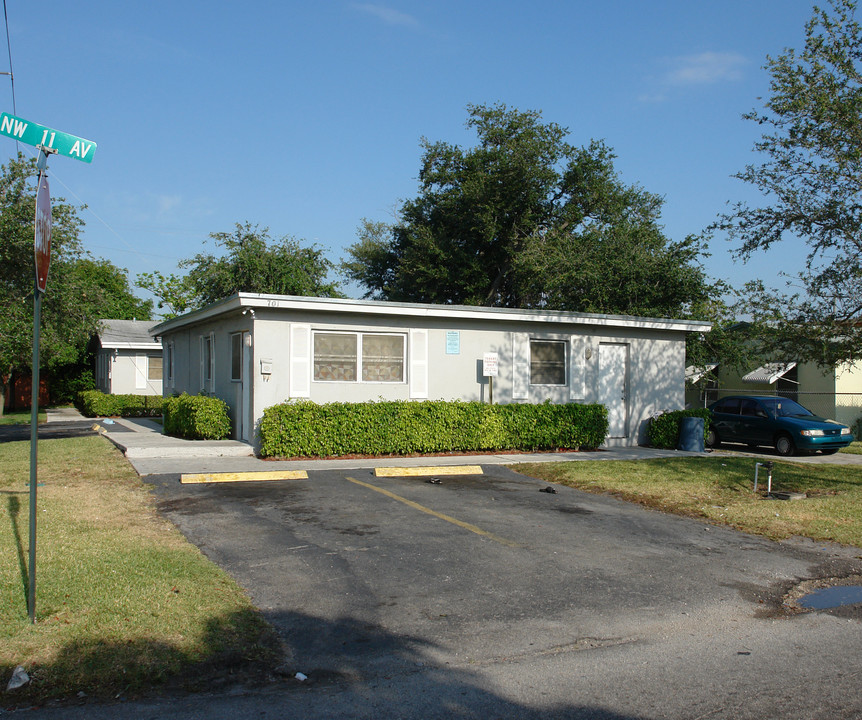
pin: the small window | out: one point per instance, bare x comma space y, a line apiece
547, 362
236, 356
382, 358
169, 363
154, 367
207, 363
335, 357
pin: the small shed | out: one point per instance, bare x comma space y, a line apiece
255, 350
128, 360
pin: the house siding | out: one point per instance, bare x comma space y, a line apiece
442, 357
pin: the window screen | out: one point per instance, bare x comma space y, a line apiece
236, 356
547, 362
335, 356
382, 358
208, 359
154, 367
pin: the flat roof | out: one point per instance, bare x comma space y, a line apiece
241, 301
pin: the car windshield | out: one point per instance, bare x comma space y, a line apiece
782, 407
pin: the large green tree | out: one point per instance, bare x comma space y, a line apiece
810, 174
525, 219
81, 290
252, 261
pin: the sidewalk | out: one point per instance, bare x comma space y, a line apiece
152, 453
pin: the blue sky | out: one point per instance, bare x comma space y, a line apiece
307, 117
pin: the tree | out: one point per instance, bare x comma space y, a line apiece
253, 262
811, 177
80, 291
525, 219
106, 287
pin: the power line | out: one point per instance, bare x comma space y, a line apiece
11, 74
9, 49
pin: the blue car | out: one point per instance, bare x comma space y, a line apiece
775, 421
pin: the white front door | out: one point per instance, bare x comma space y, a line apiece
247, 380
613, 372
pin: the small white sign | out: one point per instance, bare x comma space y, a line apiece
490, 364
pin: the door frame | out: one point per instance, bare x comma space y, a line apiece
622, 404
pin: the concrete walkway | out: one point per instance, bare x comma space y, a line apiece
151, 452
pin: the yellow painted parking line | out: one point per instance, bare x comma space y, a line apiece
448, 518
428, 470
244, 476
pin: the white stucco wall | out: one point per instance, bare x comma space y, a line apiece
126, 372
654, 379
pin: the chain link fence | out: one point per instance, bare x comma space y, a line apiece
844, 407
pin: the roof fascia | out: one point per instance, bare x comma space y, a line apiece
392, 309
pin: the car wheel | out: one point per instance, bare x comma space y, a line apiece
830, 451
712, 440
784, 445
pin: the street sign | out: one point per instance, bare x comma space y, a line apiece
42, 243
49, 142
31, 133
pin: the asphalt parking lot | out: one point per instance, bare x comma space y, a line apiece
483, 596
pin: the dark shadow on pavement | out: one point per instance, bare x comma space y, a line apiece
351, 669
52, 431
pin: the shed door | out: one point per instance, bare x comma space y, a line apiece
613, 371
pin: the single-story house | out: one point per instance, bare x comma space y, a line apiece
255, 351
128, 359
831, 392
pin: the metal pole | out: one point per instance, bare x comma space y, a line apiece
34, 419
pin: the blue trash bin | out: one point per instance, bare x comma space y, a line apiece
691, 434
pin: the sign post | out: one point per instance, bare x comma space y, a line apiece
42, 252
49, 142
490, 369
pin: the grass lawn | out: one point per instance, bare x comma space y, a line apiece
123, 602
719, 489
21, 417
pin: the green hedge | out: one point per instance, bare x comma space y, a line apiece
196, 417
304, 428
95, 403
664, 429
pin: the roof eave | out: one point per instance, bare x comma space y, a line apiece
241, 301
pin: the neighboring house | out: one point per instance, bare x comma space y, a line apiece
255, 351
833, 393
128, 359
